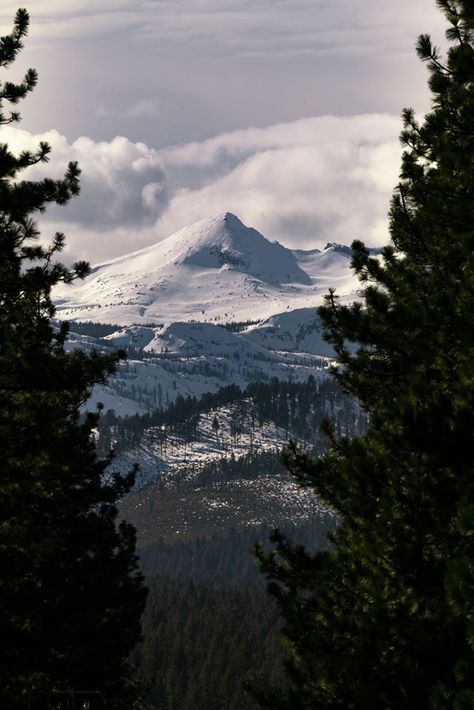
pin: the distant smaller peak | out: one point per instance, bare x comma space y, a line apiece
341, 248
344, 249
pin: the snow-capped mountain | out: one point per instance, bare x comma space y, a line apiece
297, 331
216, 270
214, 304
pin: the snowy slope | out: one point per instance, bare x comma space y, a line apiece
294, 331
329, 268
216, 270
171, 301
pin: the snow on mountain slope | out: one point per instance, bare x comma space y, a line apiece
294, 331
329, 268
193, 358
215, 270
188, 340
225, 243
170, 299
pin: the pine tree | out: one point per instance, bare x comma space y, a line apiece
384, 618
70, 592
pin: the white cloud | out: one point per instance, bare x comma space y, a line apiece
153, 195
218, 65
114, 175
123, 190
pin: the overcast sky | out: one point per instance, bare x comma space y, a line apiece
285, 112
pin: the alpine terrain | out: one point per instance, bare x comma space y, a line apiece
225, 364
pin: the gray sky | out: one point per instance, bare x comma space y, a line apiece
283, 111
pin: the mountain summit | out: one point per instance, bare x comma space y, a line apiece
216, 270
224, 242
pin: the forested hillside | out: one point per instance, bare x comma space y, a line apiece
298, 408
210, 628
204, 641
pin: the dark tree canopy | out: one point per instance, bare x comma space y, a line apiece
70, 593
385, 617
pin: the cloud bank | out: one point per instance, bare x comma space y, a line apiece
302, 183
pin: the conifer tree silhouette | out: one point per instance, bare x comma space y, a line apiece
70, 592
384, 618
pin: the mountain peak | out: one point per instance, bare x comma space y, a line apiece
226, 243
231, 218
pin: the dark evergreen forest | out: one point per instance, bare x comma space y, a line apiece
210, 628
